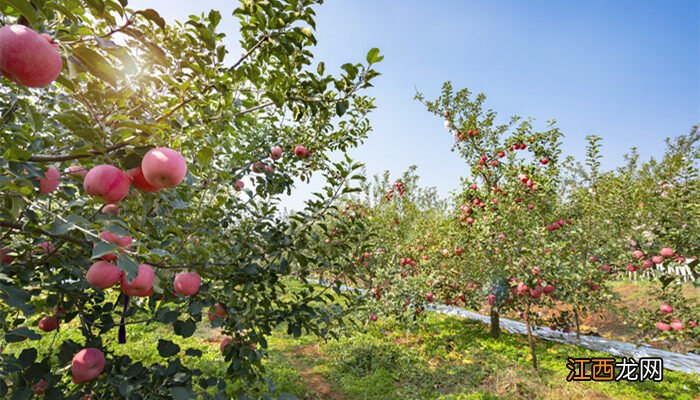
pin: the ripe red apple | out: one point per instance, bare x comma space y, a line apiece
531, 207
276, 153
46, 248
121, 241
48, 323
605, 267
76, 170
692, 324
40, 387
677, 325
665, 308
107, 182
666, 252
238, 185
535, 270
87, 365
536, 292
548, 289
501, 154
225, 342
638, 254
111, 209
544, 161
5, 257
103, 274
491, 299
647, 264
139, 181
300, 152
429, 297
187, 283
163, 167
28, 58
216, 311
566, 330
49, 182
663, 326
373, 318
142, 285
657, 259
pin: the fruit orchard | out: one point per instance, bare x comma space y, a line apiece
143, 167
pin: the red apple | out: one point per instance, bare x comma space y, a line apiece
28, 58
548, 289
48, 323
49, 182
666, 252
276, 153
665, 308
238, 185
216, 311
429, 297
40, 387
121, 241
139, 181
76, 170
638, 254
46, 248
111, 209
107, 182
373, 318
657, 259
187, 283
142, 285
103, 274
87, 365
225, 342
663, 326
677, 325
300, 152
5, 257
544, 161
491, 298
163, 167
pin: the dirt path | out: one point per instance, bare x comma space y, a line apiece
318, 388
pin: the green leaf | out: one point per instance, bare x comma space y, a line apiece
103, 248
96, 64
341, 107
152, 15
128, 265
25, 8
185, 328
204, 155
166, 348
373, 56
182, 393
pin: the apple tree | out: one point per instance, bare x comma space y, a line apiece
142, 166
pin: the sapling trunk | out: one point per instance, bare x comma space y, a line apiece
495, 323
530, 338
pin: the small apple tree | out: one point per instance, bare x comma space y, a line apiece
141, 172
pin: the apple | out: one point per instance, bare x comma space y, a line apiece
139, 181
238, 185
5, 257
142, 285
530, 206
501, 154
429, 297
163, 167
225, 342
473, 186
470, 221
666, 252
111, 209
522, 287
665, 308
605, 267
647, 264
46, 248
638, 254
657, 259
491, 298
40, 387
216, 311
276, 153
300, 152
187, 283
48, 323
692, 324
566, 330
27, 57
544, 161
103, 274
536, 292
76, 170
677, 325
107, 182
663, 326
373, 318
49, 182
535, 270
87, 365
548, 289
121, 241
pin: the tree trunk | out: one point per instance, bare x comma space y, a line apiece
529, 337
578, 325
495, 323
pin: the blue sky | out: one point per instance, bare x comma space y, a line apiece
628, 71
